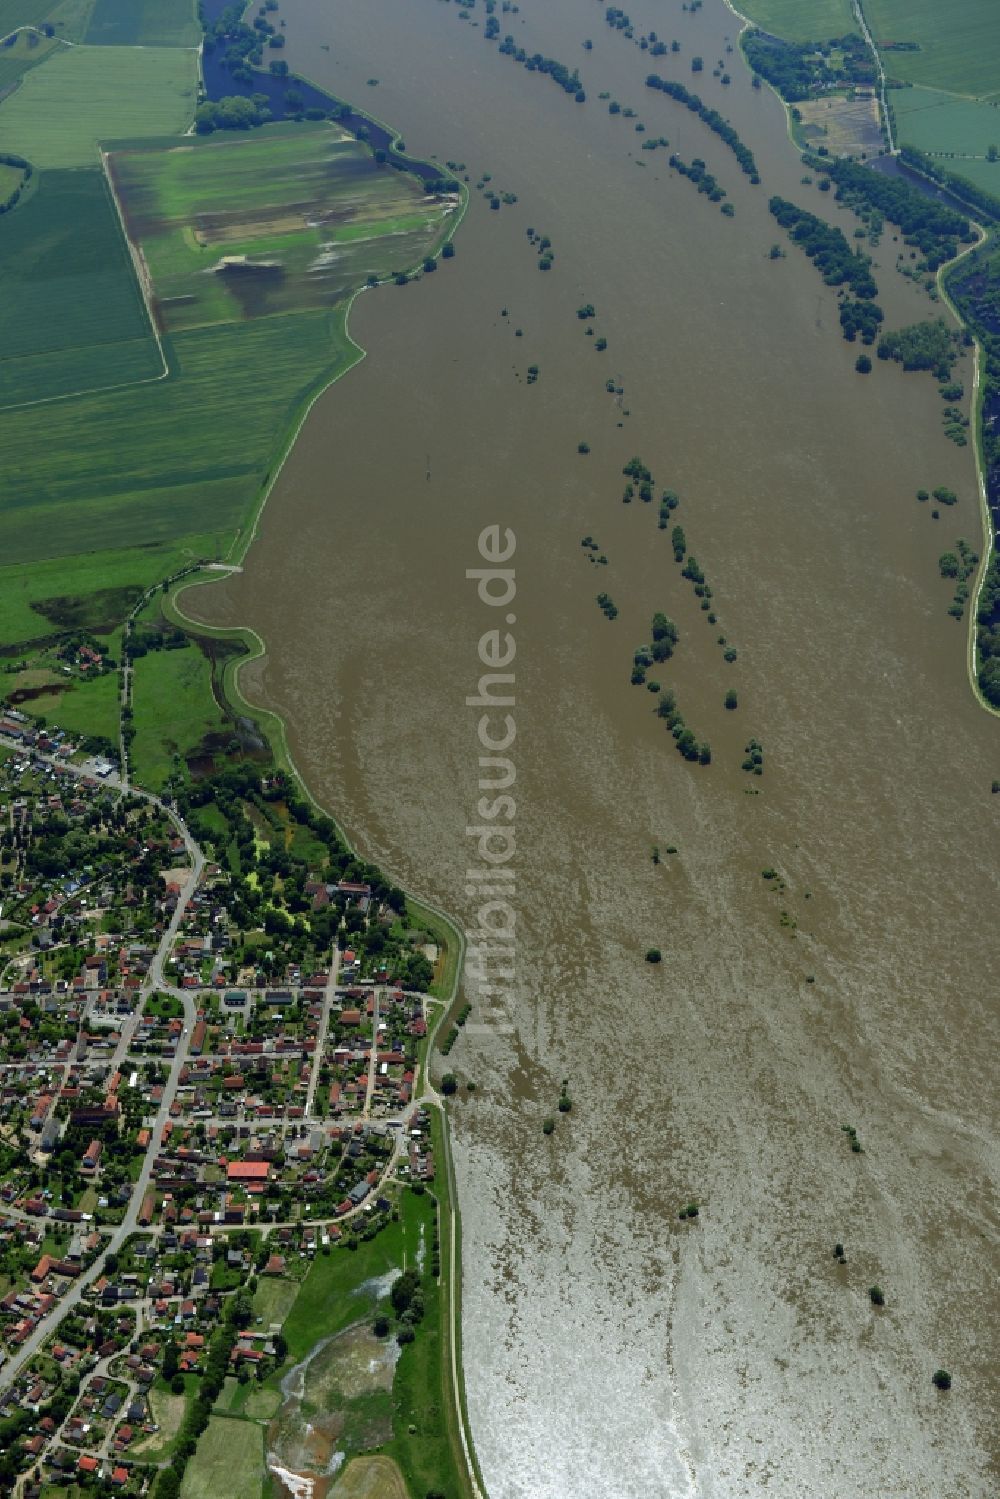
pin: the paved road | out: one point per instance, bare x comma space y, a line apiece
155, 979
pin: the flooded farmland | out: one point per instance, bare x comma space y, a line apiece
610, 1345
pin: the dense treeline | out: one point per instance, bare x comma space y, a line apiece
933, 228
974, 285
986, 204
711, 117
840, 266
234, 112
568, 81
800, 69
698, 173
8, 159
923, 346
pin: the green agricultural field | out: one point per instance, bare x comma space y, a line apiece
157, 462
147, 23
83, 95
800, 20
72, 315
984, 174
959, 42
288, 218
92, 592
26, 51
173, 709
229, 1460
15, 13
942, 123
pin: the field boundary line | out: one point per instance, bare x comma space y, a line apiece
144, 292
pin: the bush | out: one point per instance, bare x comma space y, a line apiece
876, 1295
941, 1379
653, 955
449, 1084
731, 700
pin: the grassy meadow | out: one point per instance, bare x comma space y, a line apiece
229, 1460
72, 315
26, 50
144, 23
87, 94
308, 207
173, 709
959, 42
800, 20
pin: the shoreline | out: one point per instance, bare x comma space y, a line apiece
976, 394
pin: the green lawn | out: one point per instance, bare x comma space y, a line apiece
147, 23
173, 709
87, 94
934, 121
273, 1298
800, 20
229, 1460
959, 42
72, 315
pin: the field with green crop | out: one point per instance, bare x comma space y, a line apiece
939, 122
26, 51
959, 42
173, 709
157, 462
289, 218
984, 174
800, 20
86, 94
14, 13
146, 23
72, 315
229, 1460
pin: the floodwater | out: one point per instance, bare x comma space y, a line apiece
611, 1347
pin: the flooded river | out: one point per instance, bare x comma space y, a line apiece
610, 1346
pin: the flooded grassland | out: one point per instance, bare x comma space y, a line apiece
610, 1345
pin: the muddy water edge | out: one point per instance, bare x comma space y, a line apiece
609, 1345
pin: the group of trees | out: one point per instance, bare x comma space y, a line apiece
234, 112
831, 253
975, 286
712, 119
800, 69
567, 79
685, 738
8, 159
699, 174
930, 345
827, 247
931, 227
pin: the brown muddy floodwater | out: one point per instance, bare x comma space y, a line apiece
610, 1347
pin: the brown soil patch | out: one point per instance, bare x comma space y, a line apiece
845, 126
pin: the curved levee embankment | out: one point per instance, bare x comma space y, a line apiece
274, 727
